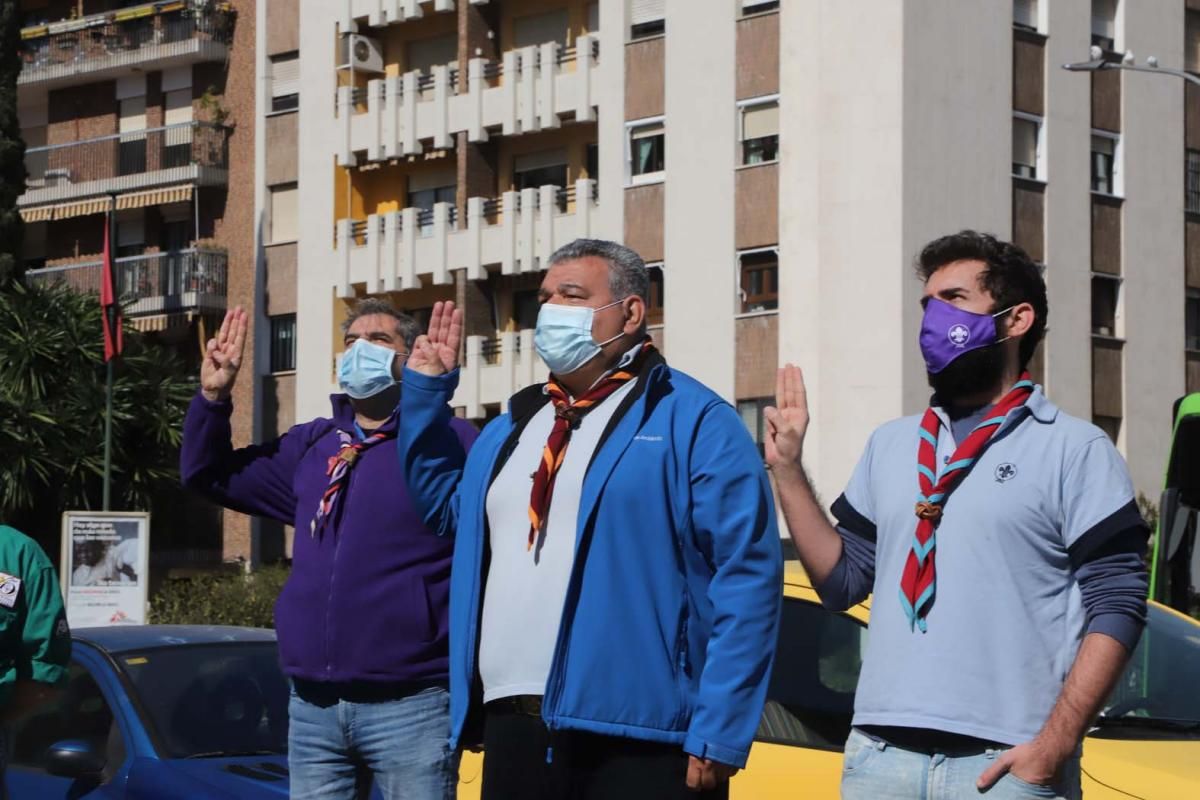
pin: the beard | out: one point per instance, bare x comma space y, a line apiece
971, 373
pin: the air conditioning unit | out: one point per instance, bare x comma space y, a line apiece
362, 53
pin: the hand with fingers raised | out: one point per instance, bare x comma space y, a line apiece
436, 353
223, 356
787, 421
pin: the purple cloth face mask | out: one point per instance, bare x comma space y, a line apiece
948, 331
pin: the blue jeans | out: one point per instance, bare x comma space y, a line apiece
337, 746
875, 770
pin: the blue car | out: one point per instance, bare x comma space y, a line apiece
159, 712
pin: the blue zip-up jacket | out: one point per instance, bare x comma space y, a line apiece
670, 621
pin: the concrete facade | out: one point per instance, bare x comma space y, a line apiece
889, 133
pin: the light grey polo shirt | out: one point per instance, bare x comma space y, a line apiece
1007, 619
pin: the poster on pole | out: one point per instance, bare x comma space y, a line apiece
105, 567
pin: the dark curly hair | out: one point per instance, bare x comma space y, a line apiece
1011, 277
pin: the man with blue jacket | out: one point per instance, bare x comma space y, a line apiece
362, 619
616, 585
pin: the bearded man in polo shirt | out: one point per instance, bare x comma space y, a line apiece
1008, 596
615, 596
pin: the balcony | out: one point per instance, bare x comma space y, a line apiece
531, 89
391, 12
190, 152
518, 231
154, 284
495, 369
108, 45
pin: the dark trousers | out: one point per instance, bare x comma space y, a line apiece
581, 766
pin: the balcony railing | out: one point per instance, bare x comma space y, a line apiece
518, 231
527, 90
121, 37
122, 161
156, 283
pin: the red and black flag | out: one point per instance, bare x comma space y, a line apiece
113, 339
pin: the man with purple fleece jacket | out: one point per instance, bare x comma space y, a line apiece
362, 619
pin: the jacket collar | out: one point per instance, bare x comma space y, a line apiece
529, 400
343, 415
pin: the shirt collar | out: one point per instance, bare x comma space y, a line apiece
1038, 406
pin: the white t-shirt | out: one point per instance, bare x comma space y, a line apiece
525, 589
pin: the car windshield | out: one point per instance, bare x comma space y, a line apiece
211, 700
1157, 690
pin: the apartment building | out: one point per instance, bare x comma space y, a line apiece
147, 109
780, 165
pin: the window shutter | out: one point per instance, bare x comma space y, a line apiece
647, 11
285, 75
760, 121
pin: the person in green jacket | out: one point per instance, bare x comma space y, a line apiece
35, 640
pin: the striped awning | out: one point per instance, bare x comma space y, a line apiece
99, 205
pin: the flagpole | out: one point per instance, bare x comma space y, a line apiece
110, 221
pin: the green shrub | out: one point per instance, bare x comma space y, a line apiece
220, 599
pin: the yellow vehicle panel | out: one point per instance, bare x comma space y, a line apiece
1113, 768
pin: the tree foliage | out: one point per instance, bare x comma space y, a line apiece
52, 401
12, 147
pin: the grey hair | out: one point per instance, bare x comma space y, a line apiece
406, 326
627, 273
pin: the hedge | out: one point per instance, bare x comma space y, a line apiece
218, 599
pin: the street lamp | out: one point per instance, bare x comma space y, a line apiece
1098, 63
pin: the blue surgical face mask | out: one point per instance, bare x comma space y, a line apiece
366, 369
563, 337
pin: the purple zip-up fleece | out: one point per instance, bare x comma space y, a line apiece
367, 597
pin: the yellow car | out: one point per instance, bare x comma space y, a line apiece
1145, 745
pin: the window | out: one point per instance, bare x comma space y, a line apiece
758, 280
536, 29
424, 54
1104, 162
810, 699
1027, 132
525, 307
547, 168
759, 131
285, 82
753, 417
1106, 292
1025, 13
132, 127
593, 17
131, 233
425, 194
1192, 181
1191, 42
758, 6
1191, 319
1104, 24
1110, 425
592, 161
78, 711
647, 151
647, 18
654, 303
284, 225
33, 245
283, 343
177, 139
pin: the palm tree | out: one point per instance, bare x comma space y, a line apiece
12, 148
52, 402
